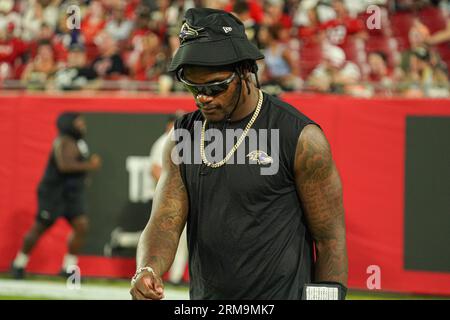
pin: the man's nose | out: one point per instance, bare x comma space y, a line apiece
204, 99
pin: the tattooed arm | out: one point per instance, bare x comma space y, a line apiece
319, 188
159, 240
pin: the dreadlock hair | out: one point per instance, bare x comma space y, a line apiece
247, 66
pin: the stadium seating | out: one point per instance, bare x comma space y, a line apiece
310, 57
433, 18
391, 38
401, 23
354, 50
444, 52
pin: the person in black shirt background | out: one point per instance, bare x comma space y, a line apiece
76, 75
61, 192
250, 235
108, 65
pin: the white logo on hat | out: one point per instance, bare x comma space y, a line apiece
227, 29
188, 31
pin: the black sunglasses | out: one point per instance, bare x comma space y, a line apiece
208, 89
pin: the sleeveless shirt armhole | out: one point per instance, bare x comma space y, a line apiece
185, 122
177, 125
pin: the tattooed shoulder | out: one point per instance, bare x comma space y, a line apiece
313, 155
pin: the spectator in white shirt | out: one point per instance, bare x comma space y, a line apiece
334, 74
119, 27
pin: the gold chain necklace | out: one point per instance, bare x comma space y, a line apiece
238, 143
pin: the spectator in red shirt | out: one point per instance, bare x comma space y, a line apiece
12, 50
309, 17
141, 26
46, 33
93, 23
338, 30
130, 9
144, 58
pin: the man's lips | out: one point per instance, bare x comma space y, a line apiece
208, 108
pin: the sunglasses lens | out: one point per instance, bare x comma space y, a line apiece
214, 90
193, 89
207, 89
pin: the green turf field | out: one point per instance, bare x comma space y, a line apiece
38, 287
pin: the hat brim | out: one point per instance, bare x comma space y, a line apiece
214, 53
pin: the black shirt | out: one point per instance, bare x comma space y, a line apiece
247, 234
116, 64
55, 180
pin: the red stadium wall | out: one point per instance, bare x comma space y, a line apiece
368, 142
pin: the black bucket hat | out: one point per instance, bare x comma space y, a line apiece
211, 37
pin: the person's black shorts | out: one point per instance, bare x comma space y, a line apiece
68, 202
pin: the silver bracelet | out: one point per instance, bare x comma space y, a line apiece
139, 271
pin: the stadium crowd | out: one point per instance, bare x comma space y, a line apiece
357, 47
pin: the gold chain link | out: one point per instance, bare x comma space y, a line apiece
238, 143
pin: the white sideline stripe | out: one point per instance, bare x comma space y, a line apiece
50, 290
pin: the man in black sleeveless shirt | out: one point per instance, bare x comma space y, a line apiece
253, 178
61, 192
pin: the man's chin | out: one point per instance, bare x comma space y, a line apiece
213, 117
